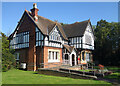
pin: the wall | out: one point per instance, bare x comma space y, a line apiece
23, 55
84, 61
89, 33
27, 25
51, 64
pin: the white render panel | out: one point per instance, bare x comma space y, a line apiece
88, 47
46, 41
73, 52
89, 33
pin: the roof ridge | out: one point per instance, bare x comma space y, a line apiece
77, 22
46, 19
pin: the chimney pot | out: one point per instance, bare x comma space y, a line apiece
34, 5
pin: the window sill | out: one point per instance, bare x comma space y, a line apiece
53, 61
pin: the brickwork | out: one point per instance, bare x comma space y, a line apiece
23, 55
39, 56
46, 57
33, 55
28, 25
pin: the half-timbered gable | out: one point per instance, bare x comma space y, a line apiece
82, 39
88, 38
55, 38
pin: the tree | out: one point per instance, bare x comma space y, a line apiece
8, 58
107, 43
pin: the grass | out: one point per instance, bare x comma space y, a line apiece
15, 76
85, 70
113, 68
113, 76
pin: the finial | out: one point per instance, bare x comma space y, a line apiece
89, 20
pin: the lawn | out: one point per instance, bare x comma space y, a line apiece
85, 70
15, 76
115, 74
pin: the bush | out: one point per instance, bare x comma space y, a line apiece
8, 58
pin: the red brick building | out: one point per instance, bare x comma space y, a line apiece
38, 40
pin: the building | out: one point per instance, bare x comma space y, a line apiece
38, 40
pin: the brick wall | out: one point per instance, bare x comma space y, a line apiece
53, 64
23, 55
39, 56
33, 55
28, 25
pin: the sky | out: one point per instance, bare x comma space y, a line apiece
64, 12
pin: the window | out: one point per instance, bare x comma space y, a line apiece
66, 56
20, 40
87, 57
74, 40
49, 54
17, 56
77, 40
55, 36
53, 56
56, 55
39, 38
83, 58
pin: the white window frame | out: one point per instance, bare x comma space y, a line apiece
17, 56
58, 56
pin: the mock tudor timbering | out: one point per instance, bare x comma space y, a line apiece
38, 40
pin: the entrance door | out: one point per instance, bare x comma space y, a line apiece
66, 59
87, 57
73, 59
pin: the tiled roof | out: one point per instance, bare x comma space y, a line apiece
75, 29
67, 30
69, 48
46, 25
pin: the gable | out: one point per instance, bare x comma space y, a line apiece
89, 31
88, 38
55, 34
25, 24
75, 29
46, 25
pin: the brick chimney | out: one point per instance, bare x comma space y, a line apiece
34, 12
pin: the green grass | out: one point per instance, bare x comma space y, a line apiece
113, 76
85, 70
14, 76
113, 68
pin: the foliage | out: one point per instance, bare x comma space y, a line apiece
107, 43
16, 76
8, 59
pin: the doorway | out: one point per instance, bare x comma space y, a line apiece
73, 59
66, 60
